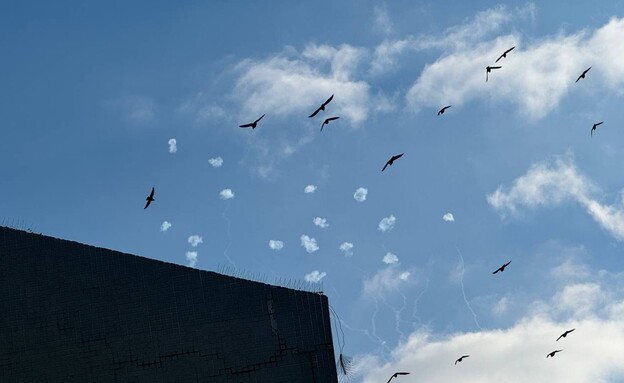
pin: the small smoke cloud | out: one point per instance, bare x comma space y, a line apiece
309, 189
226, 194
191, 257
309, 244
448, 217
315, 276
387, 223
390, 258
165, 226
320, 222
360, 194
216, 162
173, 145
276, 245
195, 240
347, 248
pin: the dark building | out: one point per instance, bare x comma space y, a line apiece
76, 313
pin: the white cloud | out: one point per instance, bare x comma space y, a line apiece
551, 183
525, 80
309, 243
390, 258
276, 245
347, 248
173, 145
191, 257
226, 194
593, 353
387, 223
309, 189
360, 194
448, 217
386, 280
216, 162
320, 222
315, 276
165, 226
195, 240
296, 83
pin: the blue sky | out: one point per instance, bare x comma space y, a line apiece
91, 96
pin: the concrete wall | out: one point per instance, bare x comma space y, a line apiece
75, 313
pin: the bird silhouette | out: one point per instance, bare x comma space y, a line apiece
488, 69
391, 160
564, 334
461, 358
582, 74
441, 111
149, 199
591, 132
502, 268
396, 374
327, 120
322, 107
552, 354
252, 125
505, 54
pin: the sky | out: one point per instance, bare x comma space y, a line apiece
100, 102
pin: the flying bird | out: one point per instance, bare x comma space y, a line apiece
322, 107
552, 354
391, 160
149, 199
591, 132
489, 69
461, 358
444, 109
396, 374
505, 54
582, 74
502, 268
252, 125
327, 120
564, 334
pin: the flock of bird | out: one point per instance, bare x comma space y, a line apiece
390, 162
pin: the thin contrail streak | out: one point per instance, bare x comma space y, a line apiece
461, 281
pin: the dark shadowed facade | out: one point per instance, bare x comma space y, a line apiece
76, 313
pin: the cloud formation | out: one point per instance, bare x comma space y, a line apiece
390, 258
173, 145
165, 226
195, 240
320, 222
347, 248
458, 76
552, 183
294, 82
309, 189
448, 217
191, 257
216, 162
276, 245
315, 276
518, 353
226, 194
309, 244
360, 194
387, 223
